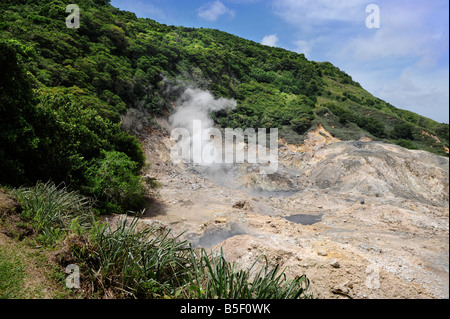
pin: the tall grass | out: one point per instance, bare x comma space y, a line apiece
54, 209
147, 263
215, 278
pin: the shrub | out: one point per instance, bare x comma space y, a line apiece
17, 111
372, 125
403, 131
301, 124
146, 263
406, 144
442, 131
53, 210
114, 180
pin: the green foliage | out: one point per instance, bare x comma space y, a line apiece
329, 70
17, 136
53, 210
403, 131
113, 180
140, 263
56, 132
113, 51
442, 131
215, 278
344, 115
406, 144
71, 133
12, 276
301, 125
372, 125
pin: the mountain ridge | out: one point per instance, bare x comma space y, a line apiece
115, 62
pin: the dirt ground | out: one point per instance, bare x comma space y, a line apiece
382, 213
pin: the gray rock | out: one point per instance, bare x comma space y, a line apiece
335, 263
322, 253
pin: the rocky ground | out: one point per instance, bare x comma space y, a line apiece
379, 214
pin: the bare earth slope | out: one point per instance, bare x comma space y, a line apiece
381, 214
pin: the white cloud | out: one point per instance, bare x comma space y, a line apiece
141, 9
212, 11
270, 40
422, 93
315, 12
405, 33
243, 1
389, 44
303, 47
407, 30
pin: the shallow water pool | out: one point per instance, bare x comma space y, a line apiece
304, 219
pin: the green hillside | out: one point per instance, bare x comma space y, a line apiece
63, 92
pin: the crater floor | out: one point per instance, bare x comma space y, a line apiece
382, 214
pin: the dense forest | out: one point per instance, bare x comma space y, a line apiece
64, 91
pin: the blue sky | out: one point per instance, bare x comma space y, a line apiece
404, 62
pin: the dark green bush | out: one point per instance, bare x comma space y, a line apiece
17, 114
406, 144
114, 181
403, 131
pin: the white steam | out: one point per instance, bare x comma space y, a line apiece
199, 143
196, 105
192, 121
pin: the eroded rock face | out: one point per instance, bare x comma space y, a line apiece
373, 168
384, 215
